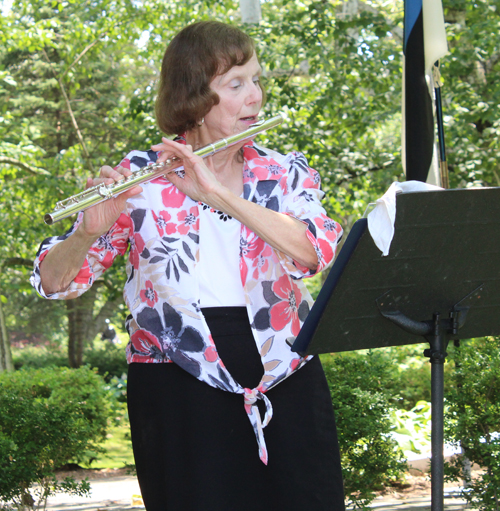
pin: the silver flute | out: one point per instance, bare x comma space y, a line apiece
102, 192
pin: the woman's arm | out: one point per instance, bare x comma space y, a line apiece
64, 261
283, 232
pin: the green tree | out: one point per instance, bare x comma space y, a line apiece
48, 417
471, 92
64, 99
472, 420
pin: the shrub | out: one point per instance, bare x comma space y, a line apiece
110, 361
412, 428
362, 403
472, 420
48, 417
36, 357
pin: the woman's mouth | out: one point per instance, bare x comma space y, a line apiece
250, 119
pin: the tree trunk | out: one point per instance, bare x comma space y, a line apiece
83, 324
5, 352
6, 363
80, 318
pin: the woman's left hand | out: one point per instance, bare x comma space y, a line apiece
199, 182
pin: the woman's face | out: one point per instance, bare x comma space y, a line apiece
240, 100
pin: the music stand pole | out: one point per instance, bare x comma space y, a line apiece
437, 355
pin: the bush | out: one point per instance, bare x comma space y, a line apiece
412, 428
472, 420
362, 403
109, 360
36, 357
48, 417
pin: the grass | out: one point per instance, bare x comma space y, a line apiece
118, 449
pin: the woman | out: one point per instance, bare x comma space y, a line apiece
217, 254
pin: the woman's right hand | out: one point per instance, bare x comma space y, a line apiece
98, 219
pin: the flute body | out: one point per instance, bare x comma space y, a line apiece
102, 192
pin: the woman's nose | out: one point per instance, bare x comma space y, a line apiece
254, 93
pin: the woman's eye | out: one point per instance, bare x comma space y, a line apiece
235, 84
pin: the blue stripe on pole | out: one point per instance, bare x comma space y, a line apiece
413, 8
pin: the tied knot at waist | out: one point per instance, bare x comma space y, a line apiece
251, 397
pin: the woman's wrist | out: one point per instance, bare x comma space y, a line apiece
83, 238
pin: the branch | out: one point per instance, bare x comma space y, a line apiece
17, 261
93, 43
86, 49
37, 171
353, 174
75, 124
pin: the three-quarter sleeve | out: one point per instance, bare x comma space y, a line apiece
302, 200
99, 258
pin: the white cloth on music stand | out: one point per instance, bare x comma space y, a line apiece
381, 218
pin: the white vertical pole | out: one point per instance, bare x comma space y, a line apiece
250, 11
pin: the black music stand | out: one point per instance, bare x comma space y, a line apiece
440, 282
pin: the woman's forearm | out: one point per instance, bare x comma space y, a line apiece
63, 262
282, 232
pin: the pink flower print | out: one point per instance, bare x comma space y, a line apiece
266, 168
136, 247
294, 363
286, 310
84, 275
115, 240
260, 172
144, 344
149, 295
210, 354
162, 224
250, 244
186, 220
261, 261
314, 179
125, 163
329, 226
172, 197
249, 152
324, 251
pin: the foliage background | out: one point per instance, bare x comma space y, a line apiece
334, 69
77, 85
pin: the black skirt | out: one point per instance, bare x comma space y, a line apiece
194, 446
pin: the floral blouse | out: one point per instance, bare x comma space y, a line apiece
161, 228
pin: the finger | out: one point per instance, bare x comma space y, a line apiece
136, 190
107, 172
124, 171
162, 145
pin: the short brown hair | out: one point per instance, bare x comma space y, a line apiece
194, 57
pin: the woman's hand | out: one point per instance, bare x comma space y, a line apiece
98, 219
199, 182
64, 260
